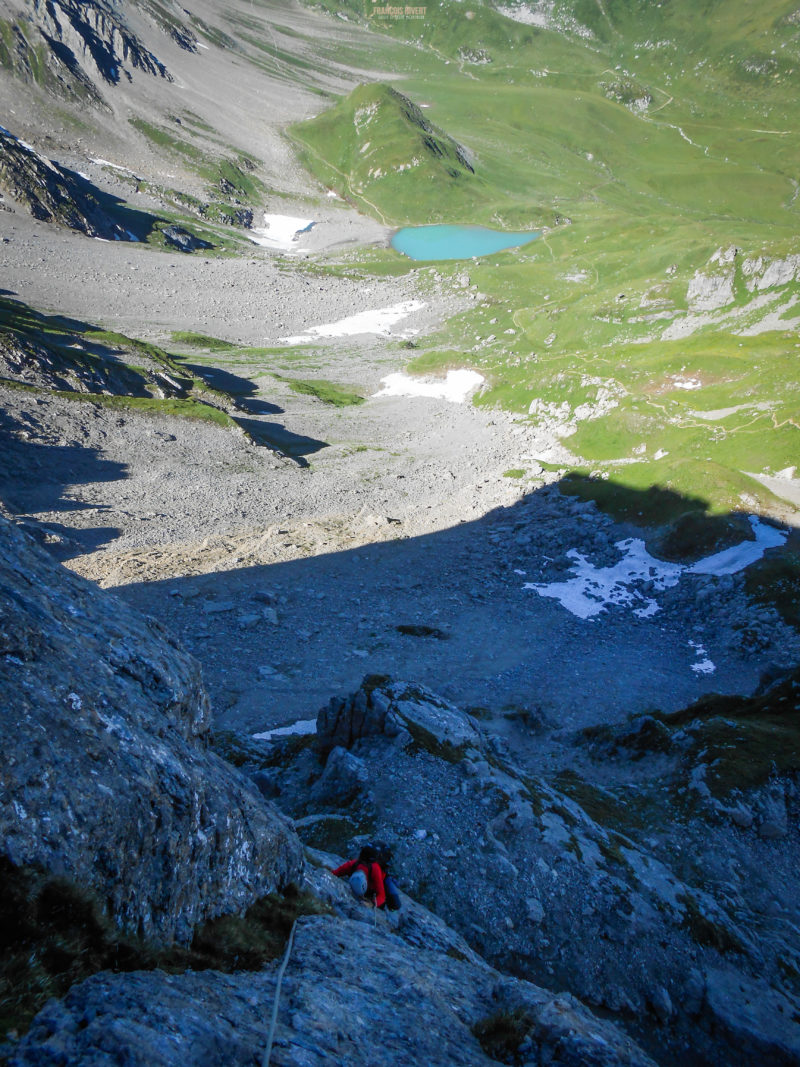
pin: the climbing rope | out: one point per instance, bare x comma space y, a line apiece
268, 1051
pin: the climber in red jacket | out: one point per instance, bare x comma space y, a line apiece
365, 877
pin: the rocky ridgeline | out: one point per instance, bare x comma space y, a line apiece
93, 35
109, 784
545, 890
52, 193
56, 194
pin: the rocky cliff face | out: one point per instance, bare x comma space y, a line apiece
108, 782
357, 990
94, 33
52, 193
106, 776
589, 896
75, 48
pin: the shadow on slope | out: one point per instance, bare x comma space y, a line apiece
383, 607
53, 353
35, 478
272, 434
235, 385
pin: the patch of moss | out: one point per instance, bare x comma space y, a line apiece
601, 805
501, 1035
515, 472
611, 849
563, 813
166, 139
187, 409
744, 740
336, 833
247, 942
533, 795
235, 176
705, 930
424, 741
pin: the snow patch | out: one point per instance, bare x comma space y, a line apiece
107, 163
456, 387
378, 321
280, 232
735, 559
592, 589
704, 664
301, 727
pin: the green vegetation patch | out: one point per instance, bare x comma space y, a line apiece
340, 396
606, 808
202, 340
188, 409
642, 150
167, 138
377, 147
707, 929
500, 1035
744, 740
228, 177
741, 741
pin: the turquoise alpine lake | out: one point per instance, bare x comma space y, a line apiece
456, 242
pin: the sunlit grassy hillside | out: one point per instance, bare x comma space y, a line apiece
654, 326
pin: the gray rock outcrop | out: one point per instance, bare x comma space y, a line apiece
354, 993
398, 710
178, 237
559, 885
95, 35
52, 193
106, 776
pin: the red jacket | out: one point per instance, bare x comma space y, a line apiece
375, 887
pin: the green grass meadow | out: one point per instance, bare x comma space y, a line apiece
641, 138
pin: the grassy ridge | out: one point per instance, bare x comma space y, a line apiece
376, 146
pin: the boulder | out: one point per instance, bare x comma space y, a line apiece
344, 779
760, 1023
385, 708
179, 238
106, 773
707, 292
